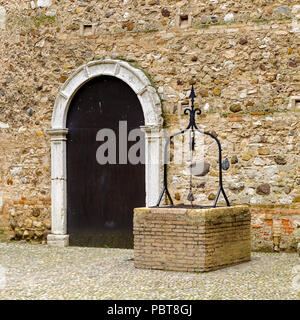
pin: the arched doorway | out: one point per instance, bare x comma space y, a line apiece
101, 196
151, 110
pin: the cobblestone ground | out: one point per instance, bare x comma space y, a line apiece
40, 272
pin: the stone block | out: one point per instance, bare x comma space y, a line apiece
57, 240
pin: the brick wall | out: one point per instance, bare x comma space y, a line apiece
275, 229
191, 240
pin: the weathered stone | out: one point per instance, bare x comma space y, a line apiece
235, 108
280, 160
44, 3
229, 54
51, 12
12, 223
285, 10
258, 162
246, 156
191, 197
263, 189
262, 67
296, 11
203, 93
211, 196
225, 164
255, 139
8, 80
287, 190
229, 17
152, 2
201, 185
243, 41
4, 125
18, 233
28, 223
63, 79
37, 224
263, 151
165, 12
213, 132
39, 233
16, 171
236, 186
234, 159
205, 19
217, 91
31, 234
214, 19
206, 107
128, 26
108, 14
26, 233
293, 63
177, 196
36, 212
29, 112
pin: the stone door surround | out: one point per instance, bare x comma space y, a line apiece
151, 106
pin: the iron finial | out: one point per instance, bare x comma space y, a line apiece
193, 95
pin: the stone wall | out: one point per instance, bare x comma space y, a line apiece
191, 239
242, 56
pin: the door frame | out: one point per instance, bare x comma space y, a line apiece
151, 106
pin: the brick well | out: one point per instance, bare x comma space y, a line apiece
182, 239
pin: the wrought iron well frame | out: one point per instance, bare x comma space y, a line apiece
192, 126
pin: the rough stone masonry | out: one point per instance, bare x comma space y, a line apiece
242, 56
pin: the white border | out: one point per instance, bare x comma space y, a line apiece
151, 106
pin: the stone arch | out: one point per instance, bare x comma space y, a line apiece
151, 106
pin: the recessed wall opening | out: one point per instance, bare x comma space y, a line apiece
294, 104
87, 30
297, 105
184, 21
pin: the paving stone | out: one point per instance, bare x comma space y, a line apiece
41, 272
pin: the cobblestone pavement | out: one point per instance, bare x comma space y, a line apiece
39, 272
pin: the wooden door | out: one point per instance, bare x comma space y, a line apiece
101, 197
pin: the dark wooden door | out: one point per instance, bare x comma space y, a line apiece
101, 197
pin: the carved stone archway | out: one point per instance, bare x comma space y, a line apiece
151, 106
